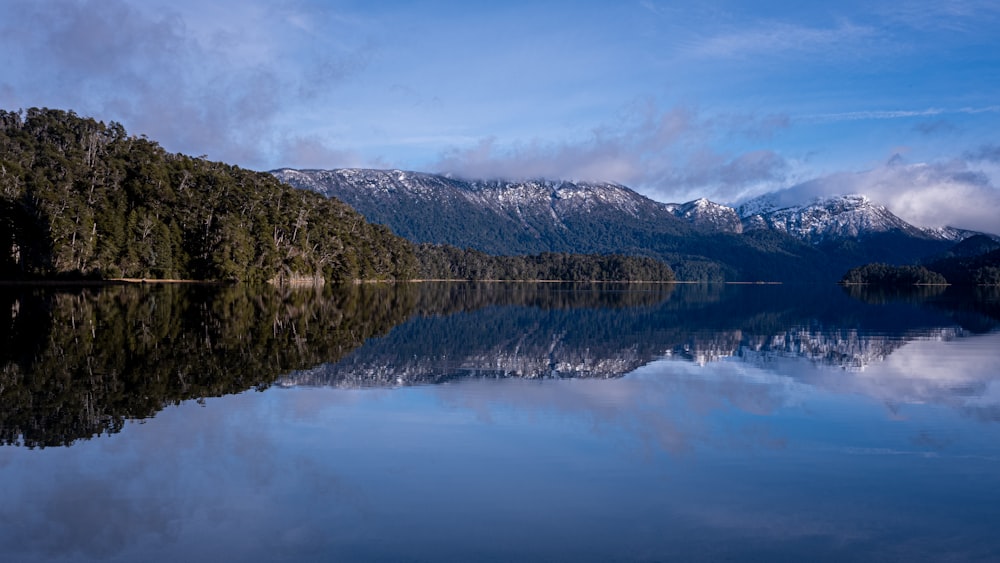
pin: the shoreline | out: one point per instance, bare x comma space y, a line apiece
155, 281
112, 281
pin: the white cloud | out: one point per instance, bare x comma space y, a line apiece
665, 154
953, 192
196, 84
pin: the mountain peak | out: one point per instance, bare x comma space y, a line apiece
708, 215
824, 218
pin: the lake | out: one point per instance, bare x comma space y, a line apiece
499, 422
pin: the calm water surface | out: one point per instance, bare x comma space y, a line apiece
499, 423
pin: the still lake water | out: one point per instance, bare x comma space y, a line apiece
522, 422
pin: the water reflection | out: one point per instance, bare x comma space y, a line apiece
78, 363
701, 463
687, 423
757, 325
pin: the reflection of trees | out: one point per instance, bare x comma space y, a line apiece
75, 363
880, 295
447, 298
78, 363
976, 309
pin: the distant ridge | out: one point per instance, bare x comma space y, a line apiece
702, 240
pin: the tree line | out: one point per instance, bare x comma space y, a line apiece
983, 269
446, 262
76, 363
887, 275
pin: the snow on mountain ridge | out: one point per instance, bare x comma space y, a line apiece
841, 216
823, 218
499, 195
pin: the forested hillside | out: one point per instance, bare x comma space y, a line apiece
81, 198
892, 276
973, 261
445, 262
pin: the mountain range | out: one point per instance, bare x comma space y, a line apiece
700, 239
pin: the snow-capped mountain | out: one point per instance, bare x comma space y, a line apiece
762, 239
499, 217
708, 215
528, 203
503, 197
836, 217
839, 217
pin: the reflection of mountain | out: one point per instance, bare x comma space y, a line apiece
847, 349
754, 324
75, 363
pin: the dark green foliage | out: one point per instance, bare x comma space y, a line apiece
78, 363
892, 276
444, 262
976, 245
983, 269
974, 261
81, 198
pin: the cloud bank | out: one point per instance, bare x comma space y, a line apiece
194, 83
958, 192
662, 153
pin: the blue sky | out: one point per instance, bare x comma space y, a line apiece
727, 100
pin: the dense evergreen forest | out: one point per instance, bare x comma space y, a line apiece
445, 262
970, 270
886, 275
81, 198
974, 261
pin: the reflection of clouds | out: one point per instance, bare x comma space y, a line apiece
312, 473
678, 405
209, 473
668, 405
963, 374
945, 367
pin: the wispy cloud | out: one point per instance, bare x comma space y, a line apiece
198, 85
778, 38
934, 127
896, 114
949, 15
